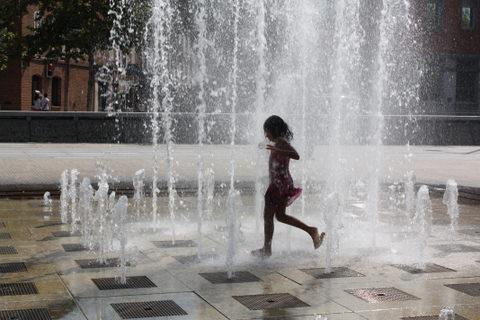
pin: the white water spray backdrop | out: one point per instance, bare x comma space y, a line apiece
332, 70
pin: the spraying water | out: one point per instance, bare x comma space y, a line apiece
121, 217
233, 206
47, 200
72, 190
423, 223
64, 196
450, 199
139, 203
201, 109
331, 218
100, 217
409, 190
85, 211
447, 313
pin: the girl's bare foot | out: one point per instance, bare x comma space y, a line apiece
317, 238
262, 253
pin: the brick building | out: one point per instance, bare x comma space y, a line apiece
451, 34
452, 42
66, 88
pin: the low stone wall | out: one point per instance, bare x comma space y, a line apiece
99, 127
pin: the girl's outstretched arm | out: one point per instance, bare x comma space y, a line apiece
283, 147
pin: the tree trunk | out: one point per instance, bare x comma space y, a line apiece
91, 83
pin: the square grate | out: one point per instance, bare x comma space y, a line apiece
18, 288
148, 309
376, 295
457, 317
177, 244
25, 314
339, 272
470, 232
5, 236
8, 250
50, 224
94, 263
69, 247
62, 234
221, 277
453, 248
195, 259
472, 289
13, 267
270, 301
429, 268
132, 283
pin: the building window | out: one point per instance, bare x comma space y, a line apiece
431, 81
469, 10
56, 91
36, 87
467, 80
434, 14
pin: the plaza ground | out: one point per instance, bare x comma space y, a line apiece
367, 282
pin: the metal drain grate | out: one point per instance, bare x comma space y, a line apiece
132, 283
376, 295
25, 314
270, 301
429, 268
472, 289
62, 234
148, 309
195, 259
221, 277
94, 263
50, 224
453, 248
5, 236
470, 232
8, 250
340, 272
457, 317
13, 267
69, 247
18, 288
177, 244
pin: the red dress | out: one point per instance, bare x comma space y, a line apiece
281, 190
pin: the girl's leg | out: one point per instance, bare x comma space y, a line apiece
268, 214
312, 231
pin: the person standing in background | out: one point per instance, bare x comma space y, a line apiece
37, 101
45, 103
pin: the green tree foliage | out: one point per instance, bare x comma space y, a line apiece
6, 39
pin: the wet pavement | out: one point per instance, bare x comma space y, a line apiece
45, 273
39, 276
26, 166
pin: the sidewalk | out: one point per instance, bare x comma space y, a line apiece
31, 166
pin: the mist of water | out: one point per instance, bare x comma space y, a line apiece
120, 212
139, 201
64, 196
450, 199
423, 223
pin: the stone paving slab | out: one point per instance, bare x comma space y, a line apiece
68, 292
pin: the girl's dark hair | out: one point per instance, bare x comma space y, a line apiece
278, 128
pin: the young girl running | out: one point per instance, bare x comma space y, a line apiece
281, 192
